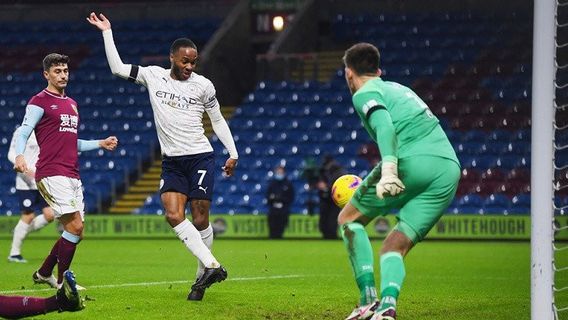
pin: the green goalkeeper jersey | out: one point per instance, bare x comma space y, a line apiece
400, 122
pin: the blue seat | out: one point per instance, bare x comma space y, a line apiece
471, 200
475, 136
479, 162
496, 203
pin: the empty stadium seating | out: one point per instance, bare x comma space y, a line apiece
472, 70
108, 106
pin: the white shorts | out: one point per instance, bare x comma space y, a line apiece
63, 194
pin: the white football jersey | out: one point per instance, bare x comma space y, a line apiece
31, 155
178, 109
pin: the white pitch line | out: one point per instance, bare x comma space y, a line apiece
157, 283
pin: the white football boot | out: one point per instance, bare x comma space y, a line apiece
386, 314
39, 279
363, 312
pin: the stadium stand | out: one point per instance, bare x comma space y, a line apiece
480, 94
107, 106
486, 113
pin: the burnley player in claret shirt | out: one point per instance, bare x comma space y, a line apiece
55, 118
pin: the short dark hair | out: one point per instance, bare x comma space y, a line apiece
54, 59
362, 58
182, 43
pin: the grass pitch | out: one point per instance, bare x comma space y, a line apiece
288, 279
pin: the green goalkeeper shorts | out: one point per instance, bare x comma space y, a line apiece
431, 183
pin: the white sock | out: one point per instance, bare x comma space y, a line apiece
189, 235
207, 238
20, 232
38, 223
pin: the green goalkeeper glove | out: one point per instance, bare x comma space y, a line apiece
389, 184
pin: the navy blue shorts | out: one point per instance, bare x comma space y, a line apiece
191, 175
31, 201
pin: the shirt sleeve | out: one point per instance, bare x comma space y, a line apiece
129, 72
12, 150
87, 145
372, 108
209, 96
31, 118
220, 126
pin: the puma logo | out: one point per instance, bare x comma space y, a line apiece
204, 189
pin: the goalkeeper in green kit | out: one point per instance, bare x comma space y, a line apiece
419, 175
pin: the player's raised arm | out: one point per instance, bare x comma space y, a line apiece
117, 67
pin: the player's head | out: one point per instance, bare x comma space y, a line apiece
361, 60
183, 57
279, 173
56, 71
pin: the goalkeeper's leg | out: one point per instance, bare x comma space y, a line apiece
360, 251
395, 247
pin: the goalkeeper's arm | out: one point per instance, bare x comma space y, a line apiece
381, 121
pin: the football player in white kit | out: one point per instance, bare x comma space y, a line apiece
179, 98
30, 199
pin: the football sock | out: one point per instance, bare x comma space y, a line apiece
207, 238
18, 307
392, 276
65, 253
38, 223
189, 235
20, 232
50, 261
360, 253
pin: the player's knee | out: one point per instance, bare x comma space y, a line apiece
173, 218
27, 217
78, 230
344, 218
200, 213
201, 222
396, 241
351, 214
48, 214
341, 220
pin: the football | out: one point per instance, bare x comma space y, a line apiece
343, 189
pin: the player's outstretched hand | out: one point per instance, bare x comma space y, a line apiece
229, 167
20, 164
100, 22
109, 143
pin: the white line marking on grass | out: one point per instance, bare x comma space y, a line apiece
157, 283
267, 278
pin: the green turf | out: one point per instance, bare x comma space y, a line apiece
296, 280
